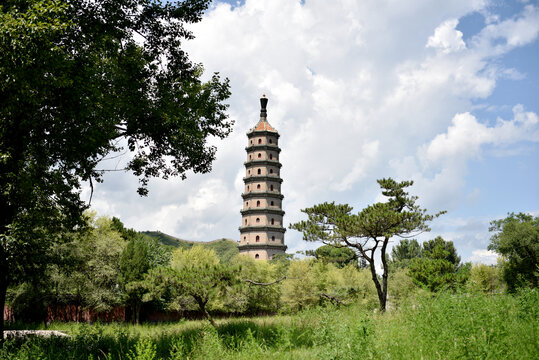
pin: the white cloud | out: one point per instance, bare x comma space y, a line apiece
439, 166
447, 38
500, 37
466, 135
355, 94
484, 257
368, 154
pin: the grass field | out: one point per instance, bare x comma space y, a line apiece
443, 326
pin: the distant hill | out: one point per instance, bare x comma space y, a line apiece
168, 240
225, 249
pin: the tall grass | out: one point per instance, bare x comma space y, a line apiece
444, 326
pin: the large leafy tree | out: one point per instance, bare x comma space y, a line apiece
96, 276
83, 272
140, 255
247, 296
201, 276
516, 238
371, 229
80, 80
195, 275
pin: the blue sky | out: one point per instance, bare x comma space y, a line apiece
443, 93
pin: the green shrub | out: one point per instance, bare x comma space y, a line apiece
144, 350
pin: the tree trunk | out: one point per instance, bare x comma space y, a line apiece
208, 316
385, 273
381, 294
202, 306
6, 216
137, 312
3, 290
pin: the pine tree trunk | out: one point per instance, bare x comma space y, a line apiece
379, 290
202, 305
384, 275
208, 316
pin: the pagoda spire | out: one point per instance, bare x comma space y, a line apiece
263, 111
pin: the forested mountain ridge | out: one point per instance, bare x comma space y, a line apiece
225, 249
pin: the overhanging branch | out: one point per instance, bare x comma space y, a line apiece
264, 284
332, 298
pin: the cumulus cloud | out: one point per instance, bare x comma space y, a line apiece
502, 36
466, 135
439, 166
356, 94
447, 38
484, 257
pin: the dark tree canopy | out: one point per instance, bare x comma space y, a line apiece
140, 255
438, 248
434, 265
81, 80
338, 256
516, 239
403, 253
439, 267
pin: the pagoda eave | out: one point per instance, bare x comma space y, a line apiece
262, 195
251, 163
256, 178
254, 133
262, 211
263, 147
246, 229
246, 247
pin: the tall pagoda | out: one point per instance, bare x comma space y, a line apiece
262, 231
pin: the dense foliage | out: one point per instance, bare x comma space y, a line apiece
516, 239
80, 80
338, 256
404, 252
140, 255
327, 309
437, 265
